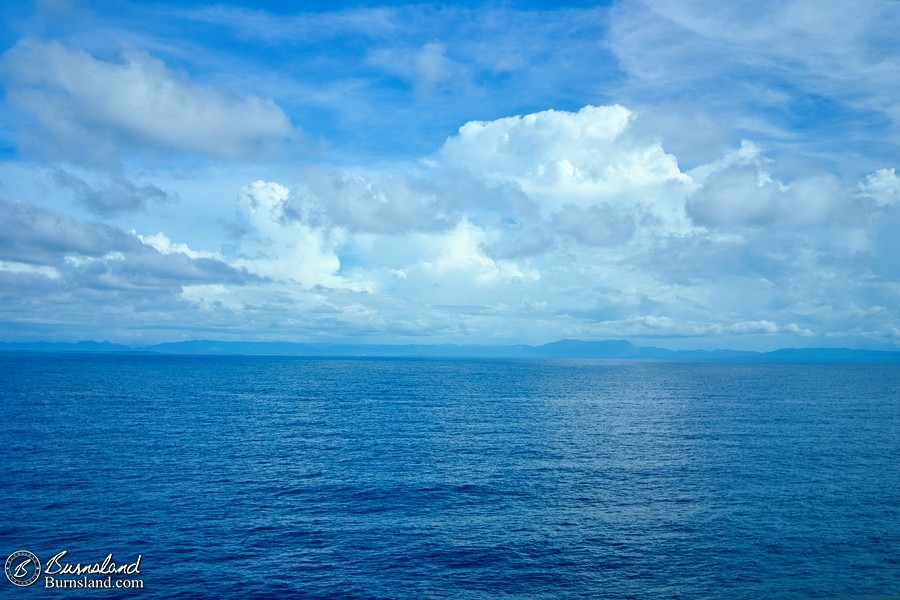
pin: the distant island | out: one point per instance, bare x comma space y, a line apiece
618, 349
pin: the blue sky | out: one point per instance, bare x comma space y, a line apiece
689, 174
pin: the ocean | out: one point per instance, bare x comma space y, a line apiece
259, 477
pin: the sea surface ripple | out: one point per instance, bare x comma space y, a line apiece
258, 477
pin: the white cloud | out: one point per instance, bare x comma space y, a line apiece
741, 190
91, 106
395, 203
281, 248
598, 225
461, 250
493, 200
587, 159
162, 244
883, 186
531, 228
19, 267
70, 277
734, 183
575, 221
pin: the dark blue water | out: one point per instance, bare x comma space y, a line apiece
324, 478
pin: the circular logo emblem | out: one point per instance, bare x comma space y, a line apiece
23, 568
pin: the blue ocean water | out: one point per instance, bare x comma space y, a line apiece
414, 478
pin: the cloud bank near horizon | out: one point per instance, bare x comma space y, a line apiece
156, 194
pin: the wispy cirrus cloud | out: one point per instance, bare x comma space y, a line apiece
801, 75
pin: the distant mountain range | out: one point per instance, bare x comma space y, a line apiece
560, 349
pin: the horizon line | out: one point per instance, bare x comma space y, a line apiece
563, 348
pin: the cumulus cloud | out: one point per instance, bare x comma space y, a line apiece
741, 190
882, 186
161, 242
526, 181
400, 202
554, 224
493, 198
548, 212
520, 239
89, 106
736, 196
461, 250
582, 159
643, 216
280, 247
598, 225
